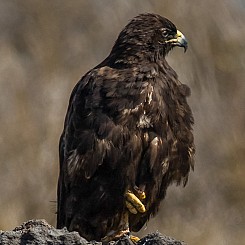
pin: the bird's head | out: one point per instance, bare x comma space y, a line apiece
149, 34
173, 39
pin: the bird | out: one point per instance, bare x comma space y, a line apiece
128, 135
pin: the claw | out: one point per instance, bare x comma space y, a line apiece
134, 202
139, 192
141, 195
134, 239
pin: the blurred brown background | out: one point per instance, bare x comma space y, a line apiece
46, 46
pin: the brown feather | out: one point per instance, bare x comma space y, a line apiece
128, 125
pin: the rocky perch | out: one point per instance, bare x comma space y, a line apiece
40, 232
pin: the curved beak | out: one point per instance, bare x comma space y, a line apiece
181, 40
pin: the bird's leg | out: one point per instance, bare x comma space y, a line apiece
134, 206
133, 201
122, 229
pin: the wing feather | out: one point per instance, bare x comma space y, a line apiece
98, 134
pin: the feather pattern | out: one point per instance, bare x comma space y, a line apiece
128, 124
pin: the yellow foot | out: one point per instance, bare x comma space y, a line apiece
134, 239
133, 203
139, 193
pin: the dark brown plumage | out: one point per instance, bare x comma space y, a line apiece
128, 128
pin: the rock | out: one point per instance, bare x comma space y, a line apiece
39, 232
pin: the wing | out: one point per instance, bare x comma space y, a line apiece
61, 190
100, 137
171, 148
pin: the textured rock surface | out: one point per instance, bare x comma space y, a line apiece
40, 232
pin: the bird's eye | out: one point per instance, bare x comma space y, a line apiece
167, 33
164, 32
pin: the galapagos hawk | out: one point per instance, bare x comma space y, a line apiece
127, 134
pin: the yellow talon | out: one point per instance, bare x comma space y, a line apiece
134, 239
141, 195
139, 192
131, 208
135, 202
